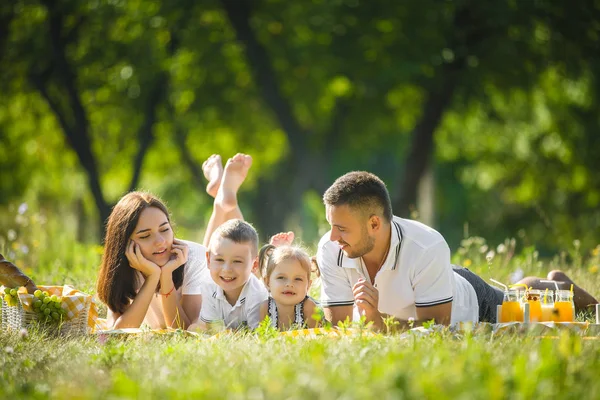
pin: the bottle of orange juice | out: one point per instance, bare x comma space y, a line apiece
533, 297
564, 306
511, 307
547, 300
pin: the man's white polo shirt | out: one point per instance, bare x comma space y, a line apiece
416, 273
246, 310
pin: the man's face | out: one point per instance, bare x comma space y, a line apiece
349, 228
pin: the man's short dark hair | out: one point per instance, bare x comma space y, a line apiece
361, 190
238, 231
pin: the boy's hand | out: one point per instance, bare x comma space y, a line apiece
139, 262
366, 297
179, 256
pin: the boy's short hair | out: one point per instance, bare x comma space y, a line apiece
237, 231
361, 190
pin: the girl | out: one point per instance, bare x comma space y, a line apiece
286, 272
146, 274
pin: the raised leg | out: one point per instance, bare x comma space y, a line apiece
225, 206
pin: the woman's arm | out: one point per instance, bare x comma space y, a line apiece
136, 312
177, 314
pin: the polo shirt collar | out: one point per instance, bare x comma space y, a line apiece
220, 294
391, 260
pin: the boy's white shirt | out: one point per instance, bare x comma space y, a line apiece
416, 272
216, 308
195, 268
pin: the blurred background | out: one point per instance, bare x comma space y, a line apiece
481, 116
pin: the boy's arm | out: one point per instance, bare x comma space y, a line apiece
209, 312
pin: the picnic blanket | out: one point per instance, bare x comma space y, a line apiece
543, 329
310, 333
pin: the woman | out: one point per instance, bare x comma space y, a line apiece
147, 275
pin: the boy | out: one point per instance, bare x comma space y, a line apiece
233, 296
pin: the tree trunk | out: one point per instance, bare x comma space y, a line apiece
421, 149
146, 131
469, 30
279, 194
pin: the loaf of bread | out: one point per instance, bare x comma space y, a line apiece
11, 276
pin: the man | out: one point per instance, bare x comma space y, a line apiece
378, 265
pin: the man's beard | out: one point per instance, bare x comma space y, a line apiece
367, 242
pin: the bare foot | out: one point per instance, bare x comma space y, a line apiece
234, 175
282, 239
558, 275
213, 171
581, 298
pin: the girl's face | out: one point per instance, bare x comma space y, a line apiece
154, 235
288, 282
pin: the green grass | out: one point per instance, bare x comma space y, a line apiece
256, 366
174, 366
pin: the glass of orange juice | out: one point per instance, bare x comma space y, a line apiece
511, 307
564, 306
547, 300
533, 297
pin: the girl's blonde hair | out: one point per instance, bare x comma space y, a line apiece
270, 256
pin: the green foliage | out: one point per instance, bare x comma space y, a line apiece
516, 147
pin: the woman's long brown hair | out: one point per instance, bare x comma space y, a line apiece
116, 285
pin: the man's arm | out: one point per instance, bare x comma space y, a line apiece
441, 313
337, 299
337, 314
366, 297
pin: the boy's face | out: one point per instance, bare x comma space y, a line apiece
230, 264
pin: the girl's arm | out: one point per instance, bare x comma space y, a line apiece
264, 310
309, 309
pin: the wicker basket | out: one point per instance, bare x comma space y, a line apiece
16, 317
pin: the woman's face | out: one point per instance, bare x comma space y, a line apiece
154, 235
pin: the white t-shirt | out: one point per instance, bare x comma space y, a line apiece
416, 273
192, 277
216, 308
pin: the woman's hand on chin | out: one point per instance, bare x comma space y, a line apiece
139, 262
179, 256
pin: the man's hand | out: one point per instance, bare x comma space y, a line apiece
366, 298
